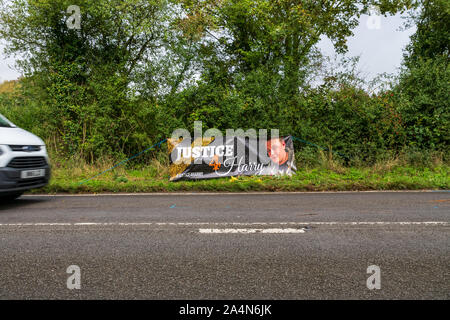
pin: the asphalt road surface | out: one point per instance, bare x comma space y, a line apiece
227, 246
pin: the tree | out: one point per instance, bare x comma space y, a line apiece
89, 76
432, 37
278, 36
425, 78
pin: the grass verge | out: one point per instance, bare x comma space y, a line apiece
154, 178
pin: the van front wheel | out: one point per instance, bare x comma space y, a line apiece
10, 196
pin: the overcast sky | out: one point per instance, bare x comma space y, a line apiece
379, 43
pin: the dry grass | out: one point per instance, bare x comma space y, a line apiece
8, 86
328, 162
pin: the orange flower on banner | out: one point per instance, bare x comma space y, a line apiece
215, 163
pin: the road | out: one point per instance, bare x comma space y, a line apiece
227, 246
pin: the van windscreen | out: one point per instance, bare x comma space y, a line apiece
4, 123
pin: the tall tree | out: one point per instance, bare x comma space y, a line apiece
277, 35
425, 78
432, 37
88, 73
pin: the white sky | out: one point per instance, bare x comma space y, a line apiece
7, 71
380, 49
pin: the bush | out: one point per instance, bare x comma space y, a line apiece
426, 90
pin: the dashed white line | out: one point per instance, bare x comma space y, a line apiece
306, 223
270, 230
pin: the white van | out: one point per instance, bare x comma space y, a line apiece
24, 162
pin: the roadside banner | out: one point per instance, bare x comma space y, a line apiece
216, 157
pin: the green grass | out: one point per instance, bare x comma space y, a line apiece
154, 178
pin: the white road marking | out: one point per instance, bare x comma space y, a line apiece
302, 224
270, 230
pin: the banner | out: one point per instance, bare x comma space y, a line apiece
207, 158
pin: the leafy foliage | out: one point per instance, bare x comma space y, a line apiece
137, 70
425, 79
